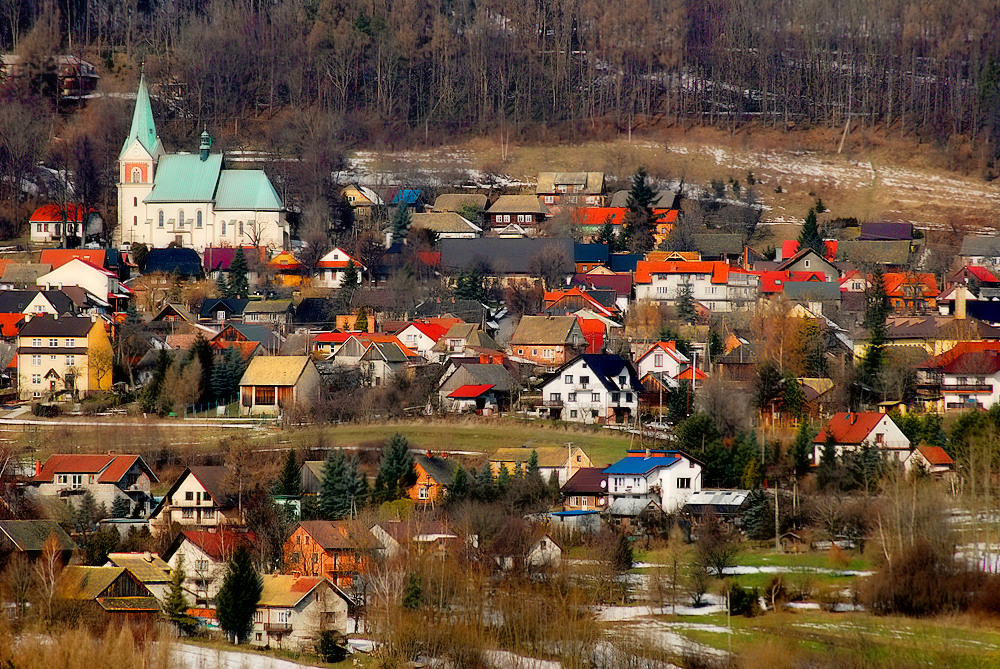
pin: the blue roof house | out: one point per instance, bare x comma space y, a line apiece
667, 477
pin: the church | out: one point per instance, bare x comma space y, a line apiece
191, 199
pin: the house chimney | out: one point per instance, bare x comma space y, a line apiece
38, 468
430, 454
55, 316
648, 453
960, 303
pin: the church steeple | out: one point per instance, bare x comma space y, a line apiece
143, 128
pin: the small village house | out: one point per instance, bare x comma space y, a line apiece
434, 475
668, 478
31, 538
418, 535
574, 189
593, 388
109, 478
563, 462
524, 210
294, 610
339, 551
202, 496
270, 312
63, 355
147, 568
205, 554
586, 490
547, 340
274, 384
332, 267
931, 460
850, 430
113, 590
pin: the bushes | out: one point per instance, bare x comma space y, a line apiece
743, 601
332, 646
922, 582
44, 410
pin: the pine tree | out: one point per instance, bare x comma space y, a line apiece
413, 596
638, 227
400, 222
175, 608
350, 277
622, 557
334, 497
533, 462
238, 284
810, 236
802, 448
221, 285
395, 470
458, 490
685, 304
503, 479
485, 486
237, 599
361, 322
606, 234
758, 516
288, 482
826, 472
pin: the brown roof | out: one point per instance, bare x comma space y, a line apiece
518, 204
456, 201
333, 535
586, 481
212, 478
447, 221
544, 330
27, 272
46, 325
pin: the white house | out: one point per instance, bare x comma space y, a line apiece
715, 284
668, 478
420, 336
850, 430
190, 199
664, 360
101, 284
592, 388
205, 555
332, 266
933, 460
294, 610
200, 497
108, 478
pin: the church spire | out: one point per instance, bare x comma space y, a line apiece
143, 128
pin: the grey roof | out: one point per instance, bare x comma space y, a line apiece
592, 182
518, 204
45, 325
512, 256
232, 305
185, 262
268, 307
494, 375
269, 339
631, 506
719, 497
880, 252
456, 201
25, 272
388, 351
977, 245
712, 245
16, 301
440, 469
823, 291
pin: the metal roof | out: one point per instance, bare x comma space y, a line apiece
246, 190
636, 465
143, 127
185, 177
718, 498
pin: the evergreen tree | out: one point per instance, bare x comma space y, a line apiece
485, 486
758, 516
151, 392
350, 277
810, 236
334, 494
395, 471
532, 462
638, 226
503, 479
685, 304
238, 284
793, 400
226, 375
826, 471
361, 322
288, 482
201, 351
622, 558
458, 489
471, 285
237, 599
606, 234
802, 448
120, 508
400, 222
221, 285
413, 596
175, 608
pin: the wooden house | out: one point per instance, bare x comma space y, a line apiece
273, 384
339, 551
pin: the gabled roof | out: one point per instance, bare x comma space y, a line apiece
25, 272
545, 330
497, 376
432, 330
591, 301
607, 367
849, 427
470, 391
591, 253
268, 307
245, 190
641, 465
110, 467
218, 543
458, 201
31, 535
184, 261
276, 370
980, 246
718, 244
59, 257
221, 257
442, 470
503, 255
410, 196
690, 374
802, 253
973, 363
518, 204
718, 269
79, 582
586, 481
234, 306
147, 567
668, 347
621, 283
338, 258
16, 301
46, 325
185, 177
53, 213
958, 351
936, 456
340, 535
548, 456
631, 506
286, 591
906, 284
589, 183
447, 221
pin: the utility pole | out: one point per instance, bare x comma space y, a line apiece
777, 536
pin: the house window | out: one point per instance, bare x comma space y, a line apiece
54, 343
879, 438
571, 397
159, 219
616, 397
658, 360
568, 379
201, 565
70, 360
70, 343
422, 493
189, 496
76, 480
806, 263
36, 360
208, 514
628, 397
584, 381
187, 513
223, 227
548, 353
683, 484
180, 218
264, 395
241, 228
572, 413
574, 501
197, 219
61, 478
534, 351
555, 397
36, 379
135, 220
205, 497
36, 342
595, 397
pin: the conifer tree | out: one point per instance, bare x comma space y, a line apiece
485, 488
395, 470
638, 226
413, 596
810, 236
685, 304
238, 284
221, 285
400, 222
361, 322
288, 482
533, 462
458, 489
802, 448
238, 596
334, 499
175, 608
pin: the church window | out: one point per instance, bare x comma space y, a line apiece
198, 218
241, 228
135, 202
136, 175
223, 227
160, 219
135, 220
180, 218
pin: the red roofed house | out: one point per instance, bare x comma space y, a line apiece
218, 259
420, 336
59, 257
338, 550
965, 377
46, 223
594, 333
911, 292
10, 325
564, 302
205, 554
807, 260
972, 276
790, 247
333, 265
663, 360
478, 398
107, 477
932, 460
852, 429
690, 374
100, 283
591, 219
715, 284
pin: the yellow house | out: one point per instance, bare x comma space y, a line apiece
63, 354
564, 462
363, 201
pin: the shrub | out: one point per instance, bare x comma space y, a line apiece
44, 410
332, 646
921, 582
743, 601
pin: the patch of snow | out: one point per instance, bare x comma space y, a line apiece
188, 656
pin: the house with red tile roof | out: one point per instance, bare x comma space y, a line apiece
965, 377
564, 302
663, 360
420, 336
911, 292
716, 285
108, 478
932, 460
205, 554
332, 266
48, 222
851, 430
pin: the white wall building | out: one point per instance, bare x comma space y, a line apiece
667, 477
592, 388
851, 430
664, 359
716, 285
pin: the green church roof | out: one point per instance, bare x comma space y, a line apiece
246, 190
185, 177
143, 128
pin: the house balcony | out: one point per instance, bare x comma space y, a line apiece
278, 628
556, 404
975, 388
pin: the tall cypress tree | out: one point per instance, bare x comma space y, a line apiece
237, 599
238, 285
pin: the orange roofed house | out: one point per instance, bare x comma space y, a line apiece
851, 430
434, 475
338, 550
715, 284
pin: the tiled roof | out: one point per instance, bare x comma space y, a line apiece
586, 481
149, 569
59, 257
548, 456
25, 272
973, 363
31, 535
717, 269
959, 350
218, 544
544, 330
979, 245
849, 427
286, 591
668, 347
86, 583
597, 216
110, 467
470, 391
45, 325
340, 535
268, 307
936, 456
903, 284
590, 183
